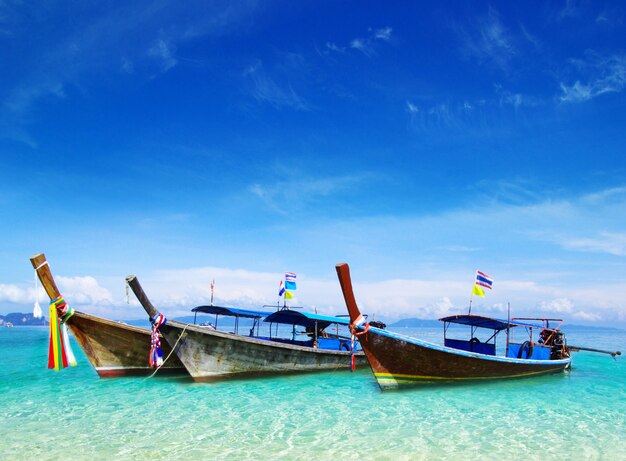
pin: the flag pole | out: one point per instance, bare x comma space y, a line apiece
469, 312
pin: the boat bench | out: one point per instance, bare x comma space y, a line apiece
480, 348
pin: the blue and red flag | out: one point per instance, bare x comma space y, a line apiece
482, 280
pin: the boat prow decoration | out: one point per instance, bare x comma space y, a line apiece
113, 349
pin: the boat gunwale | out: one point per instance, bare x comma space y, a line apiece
254, 340
97, 319
451, 350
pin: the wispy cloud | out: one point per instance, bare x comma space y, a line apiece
366, 45
513, 191
15, 111
411, 108
614, 194
605, 242
99, 43
599, 75
303, 191
515, 99
163, 51
265, 89
571, 9
488, 41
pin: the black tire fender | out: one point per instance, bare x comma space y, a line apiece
526, 346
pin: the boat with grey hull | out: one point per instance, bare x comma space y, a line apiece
210, 354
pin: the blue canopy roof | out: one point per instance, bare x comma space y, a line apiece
230, 311
305, 319
485, 322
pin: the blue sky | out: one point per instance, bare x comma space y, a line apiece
191, 141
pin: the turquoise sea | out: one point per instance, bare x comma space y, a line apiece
340, 415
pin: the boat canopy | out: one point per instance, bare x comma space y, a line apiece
305, 319
485, 322
230, 311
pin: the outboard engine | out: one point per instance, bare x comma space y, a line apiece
555, 339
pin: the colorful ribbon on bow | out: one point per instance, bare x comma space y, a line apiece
156, 354
60, 353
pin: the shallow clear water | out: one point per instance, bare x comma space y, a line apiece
74, 414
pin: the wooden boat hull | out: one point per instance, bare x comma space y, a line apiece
398, 361
210, 355
116, 349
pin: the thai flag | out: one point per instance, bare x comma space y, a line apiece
483, 280
281, 289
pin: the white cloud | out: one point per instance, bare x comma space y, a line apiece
163, 51
14, 294
334, 47
84, 290
266, 90
489, 40
383, 34
605, 242
78, 291
587, 316
411, 108
603, 74
365, 45
299, 192
560, 305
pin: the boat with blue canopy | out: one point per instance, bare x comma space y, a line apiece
315, 327
398, 360
209, 353
234, 312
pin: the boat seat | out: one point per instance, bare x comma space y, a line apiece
471, 346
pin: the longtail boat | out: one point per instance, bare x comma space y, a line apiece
113, 349
397, 360
210, 354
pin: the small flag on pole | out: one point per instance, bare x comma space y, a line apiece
290, 281
482, 281
281, 289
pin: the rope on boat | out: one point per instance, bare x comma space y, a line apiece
170, 354
353, 335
